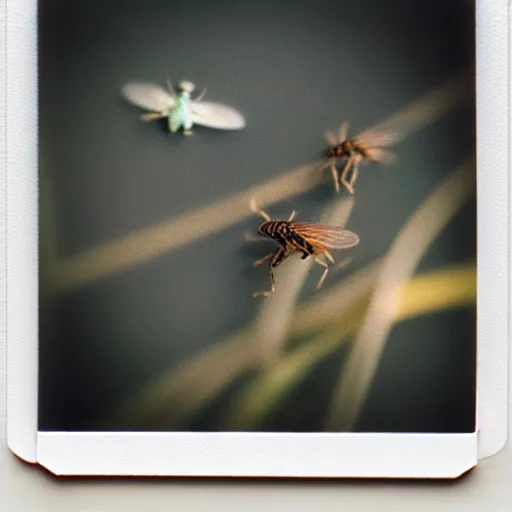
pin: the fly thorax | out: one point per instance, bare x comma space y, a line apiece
338, 151
349, 146
181, 113
359, 148
183, 102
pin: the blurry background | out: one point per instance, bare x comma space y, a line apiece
293, 69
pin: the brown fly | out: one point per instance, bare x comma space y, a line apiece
304, 237
365, 147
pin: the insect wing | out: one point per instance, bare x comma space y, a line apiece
377, 139
330, 138
215, 115
343, 132
339, 137
381, 155
148, 96
322, 236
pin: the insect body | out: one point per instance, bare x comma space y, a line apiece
366, 146
180, 108
307, 238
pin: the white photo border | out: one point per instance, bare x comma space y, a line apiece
253, 454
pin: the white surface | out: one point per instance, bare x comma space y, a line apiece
19, 316
24, 489
493, 234
226, 454
20, 198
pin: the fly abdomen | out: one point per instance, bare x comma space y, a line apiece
301, 244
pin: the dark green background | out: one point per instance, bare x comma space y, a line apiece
293, 69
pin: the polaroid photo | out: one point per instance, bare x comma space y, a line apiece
257, 239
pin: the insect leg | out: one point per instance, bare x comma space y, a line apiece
265, 258
304, 250
171, 88
152, 116
201, 96
259, 212
353, 178
329, 256
342, 264
187, 127
292, 216
355, 172
279, 256
324, 274
335, 177
344, 173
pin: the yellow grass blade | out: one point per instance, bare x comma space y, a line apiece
182, 391
398, 266
426, 294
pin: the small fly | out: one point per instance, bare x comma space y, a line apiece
365, 147
180, 108
307, 238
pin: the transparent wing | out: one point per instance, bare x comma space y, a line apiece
215, 115
377, 139
343, 132
330, 138
381, 155
148, 96
322, 236
339, 137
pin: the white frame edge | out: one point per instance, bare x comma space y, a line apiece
21, 111
256, 454
493, 268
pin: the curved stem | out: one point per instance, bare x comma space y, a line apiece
425, 294
171, 399
406, 252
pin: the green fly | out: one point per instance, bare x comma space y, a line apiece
180, 109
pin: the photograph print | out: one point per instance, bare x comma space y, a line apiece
257, 216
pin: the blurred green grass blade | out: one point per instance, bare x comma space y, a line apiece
410, 245
216, 367
426, 294
181, 392
148, 243
272, 323
47, 232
